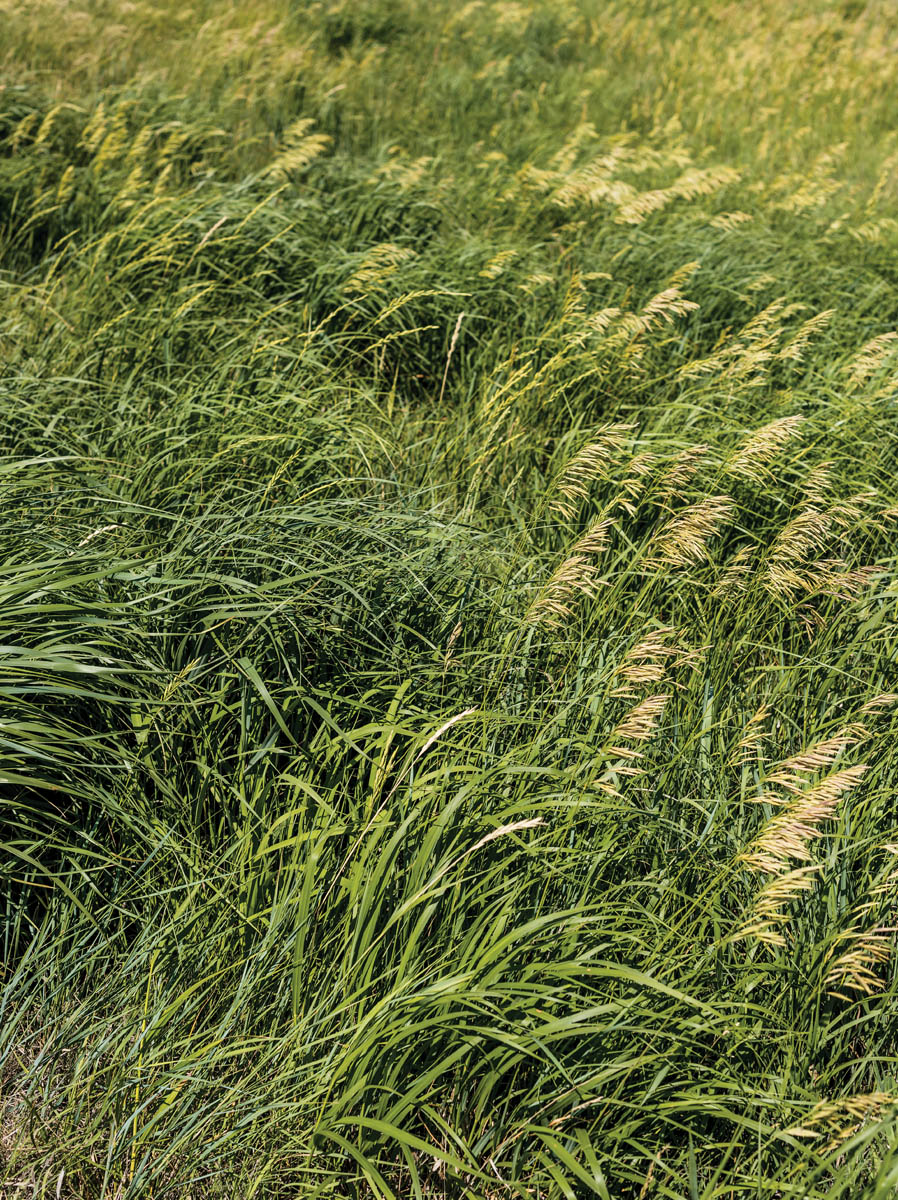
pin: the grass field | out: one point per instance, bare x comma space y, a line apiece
448, 513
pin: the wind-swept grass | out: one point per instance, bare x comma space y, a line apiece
447, 664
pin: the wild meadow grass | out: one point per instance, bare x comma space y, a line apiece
449, 623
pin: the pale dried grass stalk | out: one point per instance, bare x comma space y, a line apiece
878, 703
300, 149
452, 343
839, 1120
770, 909
590, 463
736, 575
682, 471
871, 357
642, 720
786, 838
683, 541
853, 969
753, 460
753, 736
649, 661
576, 577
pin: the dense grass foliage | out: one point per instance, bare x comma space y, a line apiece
447, 715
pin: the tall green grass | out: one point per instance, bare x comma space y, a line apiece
448, 618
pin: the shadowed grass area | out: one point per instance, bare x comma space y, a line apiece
447, 615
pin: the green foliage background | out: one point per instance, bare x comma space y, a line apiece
448, 637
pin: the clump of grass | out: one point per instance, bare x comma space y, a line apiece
448, 631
